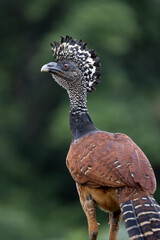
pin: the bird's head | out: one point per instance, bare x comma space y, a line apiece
75, 66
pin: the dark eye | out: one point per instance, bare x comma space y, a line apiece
65, 66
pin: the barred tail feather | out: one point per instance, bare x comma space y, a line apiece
142, 218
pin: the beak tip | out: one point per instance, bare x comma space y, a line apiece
44, 68
50, 67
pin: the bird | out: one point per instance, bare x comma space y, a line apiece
110, 171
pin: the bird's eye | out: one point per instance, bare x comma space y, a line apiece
65, 66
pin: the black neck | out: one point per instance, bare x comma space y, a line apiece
80, 124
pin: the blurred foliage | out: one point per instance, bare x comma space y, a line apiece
38, 195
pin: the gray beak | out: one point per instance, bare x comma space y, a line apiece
51, 67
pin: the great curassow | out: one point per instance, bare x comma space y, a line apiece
109, 169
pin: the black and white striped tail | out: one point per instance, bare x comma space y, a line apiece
142, 218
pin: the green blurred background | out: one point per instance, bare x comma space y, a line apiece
38, 196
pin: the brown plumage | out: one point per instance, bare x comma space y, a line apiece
103, 159
109, 169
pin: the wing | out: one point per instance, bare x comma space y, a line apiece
110, 160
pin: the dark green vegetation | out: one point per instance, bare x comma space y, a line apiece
38, 196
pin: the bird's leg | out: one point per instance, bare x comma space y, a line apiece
114, 220
89, 208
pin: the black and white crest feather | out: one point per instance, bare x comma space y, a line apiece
87, 60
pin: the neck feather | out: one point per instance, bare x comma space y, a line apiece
80, 121
78, 98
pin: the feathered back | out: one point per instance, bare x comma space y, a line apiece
88, 62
